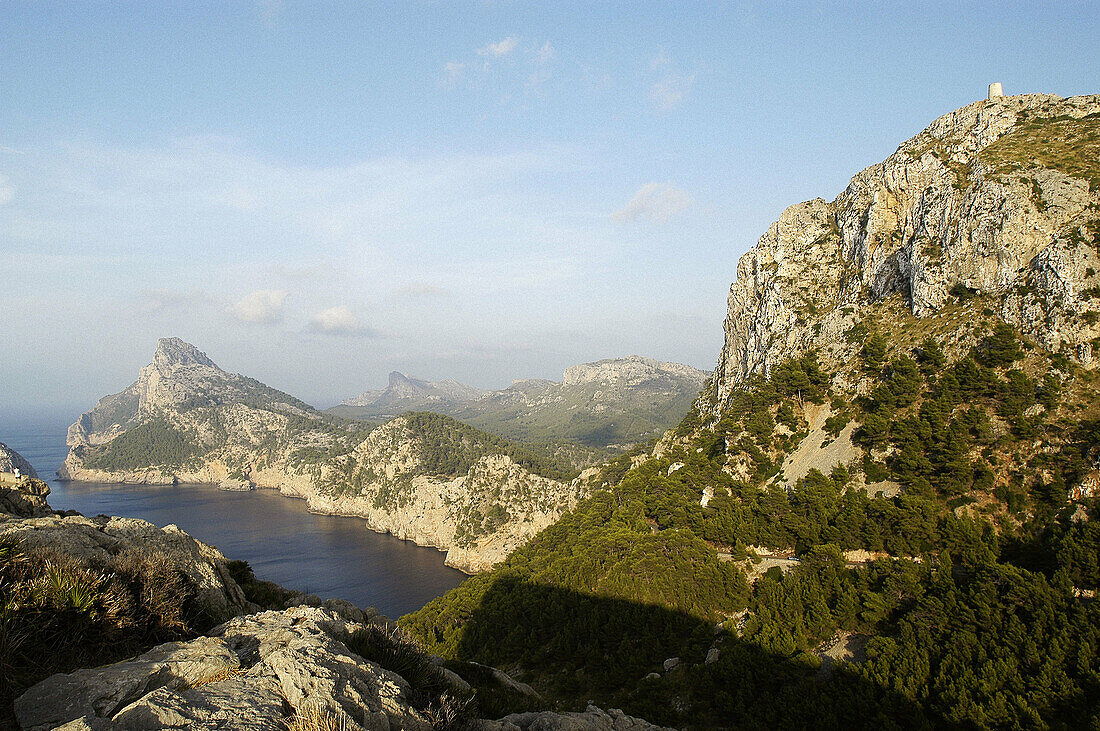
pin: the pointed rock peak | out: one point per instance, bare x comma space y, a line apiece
175, 352
397, 377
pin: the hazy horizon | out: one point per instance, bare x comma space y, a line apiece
318, 195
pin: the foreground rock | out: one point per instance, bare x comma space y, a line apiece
260, 672
431, 480
95, 540
252, 672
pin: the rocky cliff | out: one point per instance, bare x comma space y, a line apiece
433, 481
10, 461
998, 200
23, 494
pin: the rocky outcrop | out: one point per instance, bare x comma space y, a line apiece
22, 494
24, 498
263, 671
95, 540
10, 461
478, 517
253, 672
999, 199
185, 420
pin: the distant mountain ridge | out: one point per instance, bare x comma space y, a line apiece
406, 393
422, 477
614, 402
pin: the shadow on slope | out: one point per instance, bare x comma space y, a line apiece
577, 648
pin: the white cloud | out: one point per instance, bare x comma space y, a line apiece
544, 54
263, 306
452, 72
339, 320
656, 202
541, 57
499, 49
671, 91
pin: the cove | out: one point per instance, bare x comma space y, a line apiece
331, 556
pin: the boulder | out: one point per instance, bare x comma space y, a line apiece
95, 540
253, 672
25, 498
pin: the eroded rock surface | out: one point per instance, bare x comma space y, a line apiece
10, 461
1000, 198
253, 672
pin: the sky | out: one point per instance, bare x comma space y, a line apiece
317, 193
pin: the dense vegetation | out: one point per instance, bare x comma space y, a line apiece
985, 624
152, 443
449, 447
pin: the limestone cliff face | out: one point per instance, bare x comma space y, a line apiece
186, 420
10, 461
479, 517
1000, 199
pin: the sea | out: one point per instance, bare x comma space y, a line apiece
330, 556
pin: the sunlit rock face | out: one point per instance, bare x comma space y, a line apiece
1000, 198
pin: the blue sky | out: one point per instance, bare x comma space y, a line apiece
318, 193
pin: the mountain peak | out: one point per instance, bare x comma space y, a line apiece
176, 352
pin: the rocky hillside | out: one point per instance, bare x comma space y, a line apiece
423, 477
10, 461
886, 506
998, 199
23, 495
112, 623
612, 403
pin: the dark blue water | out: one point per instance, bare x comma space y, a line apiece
320, 554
